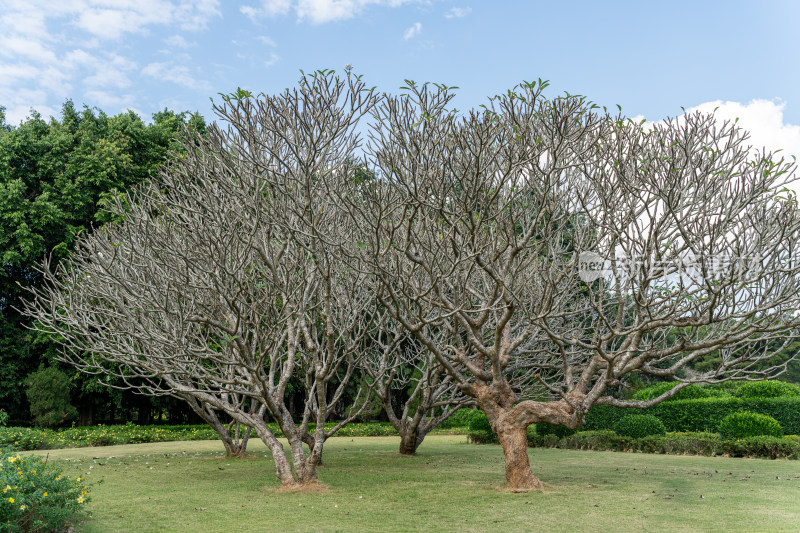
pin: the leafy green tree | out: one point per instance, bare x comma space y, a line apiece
55, 178
48, 393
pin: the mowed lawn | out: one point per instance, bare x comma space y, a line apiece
449, 486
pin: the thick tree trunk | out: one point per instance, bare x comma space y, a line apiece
86, 414
409, 442
518, 467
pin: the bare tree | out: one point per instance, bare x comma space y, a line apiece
481, 224
217, 286
416, 392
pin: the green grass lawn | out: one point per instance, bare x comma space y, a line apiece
449, 486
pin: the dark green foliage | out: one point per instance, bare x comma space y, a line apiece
461, 418
703, 414
55, 177
691, 392
709, 444
479, 422
767, 389
480, 431
743, 424
44, 439
549, 429
638, 426
36, 497
48, 392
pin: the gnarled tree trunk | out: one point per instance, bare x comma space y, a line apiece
410, 441
514, 441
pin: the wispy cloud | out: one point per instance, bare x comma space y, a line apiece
273, 58
177, 74
176, 41
266, 40
38, 44
316, 11
458, 12
413, 31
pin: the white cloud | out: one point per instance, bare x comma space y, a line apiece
176, 41
266, 40
763, 119
19, 102
268, 8
316, 11
413, 31
41, 60
15, 46
173, 73
105, 99
196, 14
273, 58
458, 12
11, 74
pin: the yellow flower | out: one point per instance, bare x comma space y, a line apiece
78, 479
80, 500
44, 495
11, 500
23, 507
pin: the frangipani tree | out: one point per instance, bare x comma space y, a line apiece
481, 224
217, 284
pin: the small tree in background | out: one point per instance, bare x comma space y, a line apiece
48, 394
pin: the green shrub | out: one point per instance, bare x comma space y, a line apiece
461, 418
480, 431
767, 389
764, 446
638, 426
25, 438
37, 497
558, 431
745, 424
3, 418
703, 414
598, 440
703, 443
48, 393
692, 392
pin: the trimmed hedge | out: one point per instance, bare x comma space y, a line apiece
702, 443
743, 424
703, 414
461, 418
692, 392
767, 389
480, 431
638, 426
44, 439
549, 429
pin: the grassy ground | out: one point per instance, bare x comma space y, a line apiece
449, 486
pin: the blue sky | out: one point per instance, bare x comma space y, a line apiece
652, 58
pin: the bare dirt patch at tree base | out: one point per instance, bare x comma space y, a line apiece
315, 486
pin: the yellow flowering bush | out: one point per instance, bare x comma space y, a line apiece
36, 496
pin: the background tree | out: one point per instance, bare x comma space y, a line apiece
414, 389
48, 393
55, 178
482, 221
